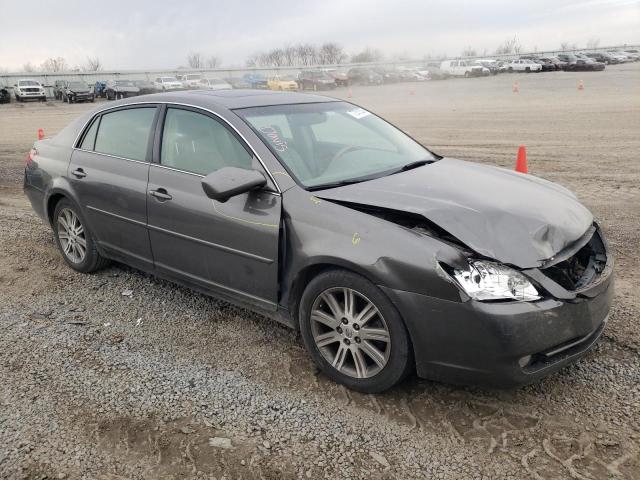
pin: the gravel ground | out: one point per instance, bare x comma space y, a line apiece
118, 375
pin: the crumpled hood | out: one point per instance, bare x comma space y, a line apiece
514, 218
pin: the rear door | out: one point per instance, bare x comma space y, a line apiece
230, 248
109, 172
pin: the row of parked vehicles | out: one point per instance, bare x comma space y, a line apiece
72, 91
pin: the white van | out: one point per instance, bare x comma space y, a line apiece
462, 68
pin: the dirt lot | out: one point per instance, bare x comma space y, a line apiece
167, 383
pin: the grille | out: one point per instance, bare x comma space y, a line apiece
31, 89
582, 268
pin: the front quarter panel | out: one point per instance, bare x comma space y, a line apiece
319, 232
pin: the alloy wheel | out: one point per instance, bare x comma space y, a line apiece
350, 332
72, 236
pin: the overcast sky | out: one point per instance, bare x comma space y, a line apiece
159, 34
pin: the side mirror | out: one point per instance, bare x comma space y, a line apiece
228, 182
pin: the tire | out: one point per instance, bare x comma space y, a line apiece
91, 261
527, 69
18, 99
341, 341
466, 74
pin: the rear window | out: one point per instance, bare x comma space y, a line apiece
125, 133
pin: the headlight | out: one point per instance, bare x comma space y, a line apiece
492, 281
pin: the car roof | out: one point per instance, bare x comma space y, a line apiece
241, 98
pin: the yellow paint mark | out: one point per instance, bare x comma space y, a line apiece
242, 219
356, 238
315, 200
281, 173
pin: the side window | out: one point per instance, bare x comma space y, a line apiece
89, 140
199, 144
125, 133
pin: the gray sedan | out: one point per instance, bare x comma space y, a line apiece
387, 257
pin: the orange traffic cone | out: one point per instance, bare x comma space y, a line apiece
580, 85
516, 87
521, 162
349, 93
40, 134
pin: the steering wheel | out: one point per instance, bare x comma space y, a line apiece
343, 150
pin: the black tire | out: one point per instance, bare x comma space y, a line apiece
18, 99
92, 260
400, 359
466, 74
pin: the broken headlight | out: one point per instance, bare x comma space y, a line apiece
493, 281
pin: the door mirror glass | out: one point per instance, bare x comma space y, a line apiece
228, 182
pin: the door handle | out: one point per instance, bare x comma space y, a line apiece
161, 194
79, 173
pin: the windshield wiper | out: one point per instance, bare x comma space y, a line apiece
341, 183
416, 164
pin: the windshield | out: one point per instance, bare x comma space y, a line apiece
77, 85
28, 83
169, 79
330, 143
124, 83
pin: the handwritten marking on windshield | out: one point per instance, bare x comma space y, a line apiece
274, 137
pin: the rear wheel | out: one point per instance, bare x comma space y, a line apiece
354, 333
74, 239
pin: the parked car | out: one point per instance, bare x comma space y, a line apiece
76, 91
341, 78
237, 82
316, 80
282, 82
619, 56
213, 84
99, 88
603, 57
488, 63
633, 55
582, 64
145, 87
389, 75
117, 89
168, 83
546, 64
557, 63
190, 80
523, 65
363, 76
462, 68
5, 95
27, 88
434, 71
255, 80
387, 257
410, 74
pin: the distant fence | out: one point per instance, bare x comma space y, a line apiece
48, 78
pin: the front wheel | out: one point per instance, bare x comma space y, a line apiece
74, 239
354, 333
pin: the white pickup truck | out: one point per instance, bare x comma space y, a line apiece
463, 68
28, 88
523, 65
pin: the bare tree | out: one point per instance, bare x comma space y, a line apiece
93, 64
469, 52
212, 61
195, 60
568, 46
28, 67
367, 55
57, 64
510, 45
331, 53
593, 42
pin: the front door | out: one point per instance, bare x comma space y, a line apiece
109, 172
230, 247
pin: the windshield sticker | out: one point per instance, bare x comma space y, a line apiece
358, 113
279, 144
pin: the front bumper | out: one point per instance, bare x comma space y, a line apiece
502, 344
